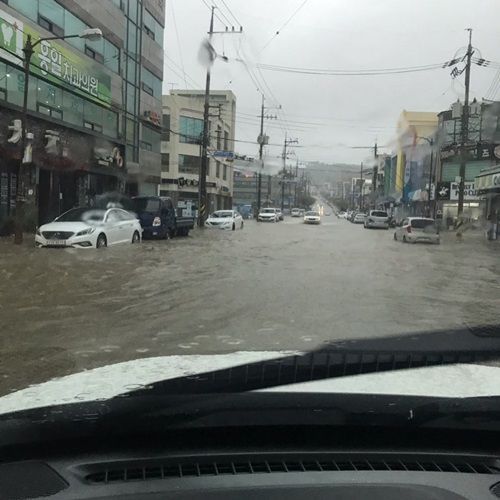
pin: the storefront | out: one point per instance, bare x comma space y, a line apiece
66, 167
447, 201
488, 188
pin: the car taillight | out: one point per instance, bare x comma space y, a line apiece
408, 229
156, 221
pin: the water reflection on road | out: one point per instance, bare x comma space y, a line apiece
270, 286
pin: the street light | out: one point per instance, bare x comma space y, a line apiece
91, 34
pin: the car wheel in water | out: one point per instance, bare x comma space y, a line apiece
234, 226
101, 241
136, 237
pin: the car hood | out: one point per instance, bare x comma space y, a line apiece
455, 381
64, 226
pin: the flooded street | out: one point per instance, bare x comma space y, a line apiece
268, 287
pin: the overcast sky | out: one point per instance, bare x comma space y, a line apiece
329, 114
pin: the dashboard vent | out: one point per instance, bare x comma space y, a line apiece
108, 473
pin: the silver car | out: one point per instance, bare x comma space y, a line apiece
417, 229
377, 219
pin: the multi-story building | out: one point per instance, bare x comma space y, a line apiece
482, 154
94, 107
415, 130
181, 147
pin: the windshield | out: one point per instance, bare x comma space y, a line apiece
284, 177
222, 215
82, 215
151, 205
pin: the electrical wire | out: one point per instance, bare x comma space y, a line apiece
231, 13
295, 12
338, 72
179, 46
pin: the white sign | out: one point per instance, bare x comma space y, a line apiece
469, 191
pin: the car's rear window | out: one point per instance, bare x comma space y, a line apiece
422, 223
146, 205
379, 214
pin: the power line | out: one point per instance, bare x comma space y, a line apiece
284, 24
215, 13
339, 72
228, 21
178, 42
231, 13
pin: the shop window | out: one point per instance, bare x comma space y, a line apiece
151, 83
51, 12
73, 26
189, 164
50, 26
92, 126
29, 9
92, 112
190, 130
165, 162
165, 135
93, 54
110, 123
147, 89
152, 137
72, 109
49, 111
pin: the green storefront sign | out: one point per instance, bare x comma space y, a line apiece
54, 62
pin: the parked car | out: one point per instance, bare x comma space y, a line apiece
414, 229
159, 219
225, 219
295, 212
359, 218
377, 219
301, 212
268, 215
85, 227
312, 217
280, 214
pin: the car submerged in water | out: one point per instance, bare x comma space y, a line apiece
89, 228
225, 219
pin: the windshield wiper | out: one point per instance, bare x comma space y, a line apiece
345, 358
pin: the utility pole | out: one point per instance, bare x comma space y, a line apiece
361, 188
202, 193
465, 128
202, 190
286, 143
375, 174
261, 149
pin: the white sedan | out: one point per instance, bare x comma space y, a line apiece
225, 219
90, 228
312, 217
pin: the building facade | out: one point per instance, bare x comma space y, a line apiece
181, 147
94, 107
482, 155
